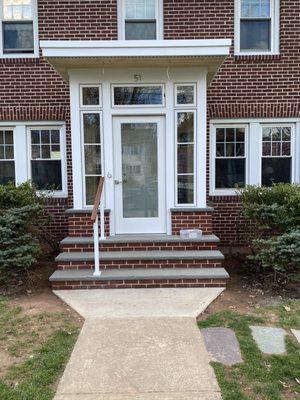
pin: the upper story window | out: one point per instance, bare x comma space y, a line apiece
18, 28
257, 27
140, 19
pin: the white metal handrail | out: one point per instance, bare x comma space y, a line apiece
95, 220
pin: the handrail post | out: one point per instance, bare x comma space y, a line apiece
96, 247
95, 219
102, 220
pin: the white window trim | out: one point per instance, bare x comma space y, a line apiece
254, 149
195, 95
113, 105
90, 111
55, 193
212, 178
159, 10
293, 148
90, 106
186, 205
11, 128
275, 31
35, 54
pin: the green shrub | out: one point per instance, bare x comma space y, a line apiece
281, 255
275, 216
275, 209
23, 228
19, 249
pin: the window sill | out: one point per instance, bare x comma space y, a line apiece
257, 56
225, 192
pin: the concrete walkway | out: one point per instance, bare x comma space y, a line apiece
139, 345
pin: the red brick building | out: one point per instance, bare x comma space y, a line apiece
175, 103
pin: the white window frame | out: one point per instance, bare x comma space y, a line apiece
113, 105
254, 150
275, 30
293, 148
35, 53
159, 12
10, 128
212, 179
90, 106
90, 111
194, 143
56, 193
195, 95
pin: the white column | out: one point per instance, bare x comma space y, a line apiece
201, 141
76, 145
22, 164
254, 153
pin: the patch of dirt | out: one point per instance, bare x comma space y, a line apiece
245, 292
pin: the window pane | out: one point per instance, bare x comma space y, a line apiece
276, 134
55, 137
90, 96
185, 189
230, 173
255, 8
267, 134
46, 175
286, 134
9, 137
46, 151
91, 128
92, 155
230, 134
18, 37
185, 127
140, 9
276, 170
91, 186
267, 149
35, 136
220, 134
185, 94
138, 95
286, 149
45, 136
255, 35
9, 152
185, 158
136, 30
7, 172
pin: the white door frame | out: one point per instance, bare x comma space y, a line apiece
139, 225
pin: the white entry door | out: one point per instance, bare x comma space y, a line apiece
139, 174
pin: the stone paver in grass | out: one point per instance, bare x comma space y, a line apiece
269, 340
296, 333
222, 345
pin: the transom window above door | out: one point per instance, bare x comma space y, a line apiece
140, 19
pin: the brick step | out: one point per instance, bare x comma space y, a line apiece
142, 259
140, 243
128, 278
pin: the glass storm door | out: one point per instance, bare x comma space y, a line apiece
139, 176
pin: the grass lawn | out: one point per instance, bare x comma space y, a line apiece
260, 377
34, 350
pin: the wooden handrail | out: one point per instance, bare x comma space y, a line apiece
97, 199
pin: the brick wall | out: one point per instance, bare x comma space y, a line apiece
191, 220
80, 224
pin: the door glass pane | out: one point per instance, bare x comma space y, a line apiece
140, 170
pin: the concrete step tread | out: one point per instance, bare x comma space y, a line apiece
140, 239
140, 274
142, 255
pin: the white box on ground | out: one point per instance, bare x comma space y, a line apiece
191, 234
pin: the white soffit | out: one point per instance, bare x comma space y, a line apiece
66, 54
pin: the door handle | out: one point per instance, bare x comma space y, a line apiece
117, 182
